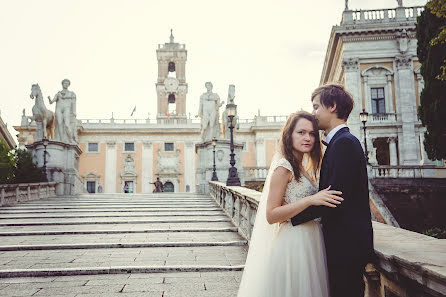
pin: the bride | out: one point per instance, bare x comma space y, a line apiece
287, 261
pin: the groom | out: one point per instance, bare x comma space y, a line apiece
347, 229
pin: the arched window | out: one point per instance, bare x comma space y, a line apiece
171, 107
168, 187
171, 67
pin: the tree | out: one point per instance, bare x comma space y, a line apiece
6, 164
25, 171
432, 54
438, 8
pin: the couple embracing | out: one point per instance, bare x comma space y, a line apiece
310, 240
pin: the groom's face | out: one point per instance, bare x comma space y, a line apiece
322, 114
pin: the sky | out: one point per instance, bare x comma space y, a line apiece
271, 50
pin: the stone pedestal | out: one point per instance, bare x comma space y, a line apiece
222, 158
62, 165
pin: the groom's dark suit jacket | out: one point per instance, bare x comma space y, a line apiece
347, 229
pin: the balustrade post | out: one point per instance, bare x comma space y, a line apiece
28, 188
2, 200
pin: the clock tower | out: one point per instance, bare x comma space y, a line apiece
171, 87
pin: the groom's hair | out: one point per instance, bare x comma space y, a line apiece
333, 93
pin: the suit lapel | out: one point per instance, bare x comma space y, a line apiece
325, 159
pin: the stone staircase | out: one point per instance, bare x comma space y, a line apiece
120, 245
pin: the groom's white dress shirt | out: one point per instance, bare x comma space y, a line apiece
333, 132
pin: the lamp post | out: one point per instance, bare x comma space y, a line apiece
364, 116
233, 179
45, 144
214, 173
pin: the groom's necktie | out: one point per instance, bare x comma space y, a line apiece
324, 142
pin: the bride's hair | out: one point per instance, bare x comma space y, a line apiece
312, 159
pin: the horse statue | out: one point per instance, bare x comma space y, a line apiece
41, 113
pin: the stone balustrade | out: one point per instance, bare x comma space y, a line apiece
381, 15
255, 173
426, 171
12, 194
167, 121
408, 264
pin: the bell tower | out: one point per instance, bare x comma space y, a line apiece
171, 87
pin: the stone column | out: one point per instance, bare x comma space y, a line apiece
352, 79
367, 99
392, 151
260, 153
189, 166
147, 167
110, 168
409, 144
389, 95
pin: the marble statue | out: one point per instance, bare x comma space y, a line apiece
66, 122
226, 130
209, 114
400, 3
41, 115
346, 4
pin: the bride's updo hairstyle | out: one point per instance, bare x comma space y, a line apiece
311, 160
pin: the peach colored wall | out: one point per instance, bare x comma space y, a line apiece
92, 162
270, 149
156, 147
120, 157
249, 157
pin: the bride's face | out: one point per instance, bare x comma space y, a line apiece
303, 136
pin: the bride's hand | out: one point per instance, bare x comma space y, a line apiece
326, 197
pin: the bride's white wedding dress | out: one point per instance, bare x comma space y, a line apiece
285, 261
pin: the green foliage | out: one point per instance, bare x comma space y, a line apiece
16, 166
436, 232
433, 97
25, 170
6, 164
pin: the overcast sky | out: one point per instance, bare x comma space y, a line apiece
272, 50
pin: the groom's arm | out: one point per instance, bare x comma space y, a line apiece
342, 176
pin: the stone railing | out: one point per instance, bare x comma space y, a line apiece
239, 203
382, 15
12, 194
167, 121
383, 117
426, 171
408, 264
255, 173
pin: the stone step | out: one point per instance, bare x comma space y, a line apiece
151, 284
120, 202
190, 254
122, 237
83, 222
130, 215
129, 208
45, 233
119, 227
100, 210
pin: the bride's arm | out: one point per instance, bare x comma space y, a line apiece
276, 212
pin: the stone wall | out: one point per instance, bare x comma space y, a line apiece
12, 194
408, 264
417, 204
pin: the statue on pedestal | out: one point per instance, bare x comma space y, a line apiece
66, 123
41, 115
226, 130
208, 112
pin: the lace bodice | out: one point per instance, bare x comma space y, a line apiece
296, 189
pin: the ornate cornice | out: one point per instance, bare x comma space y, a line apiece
403, 62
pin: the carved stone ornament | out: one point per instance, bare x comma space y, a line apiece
403, 62
351, 64
403, 41
129, 163
168, 164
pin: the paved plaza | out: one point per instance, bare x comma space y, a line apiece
120, 245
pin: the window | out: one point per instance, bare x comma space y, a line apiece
129, 147
168, 147
378, 100
93, 147
91, 187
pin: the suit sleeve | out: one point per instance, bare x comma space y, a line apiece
342, 174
